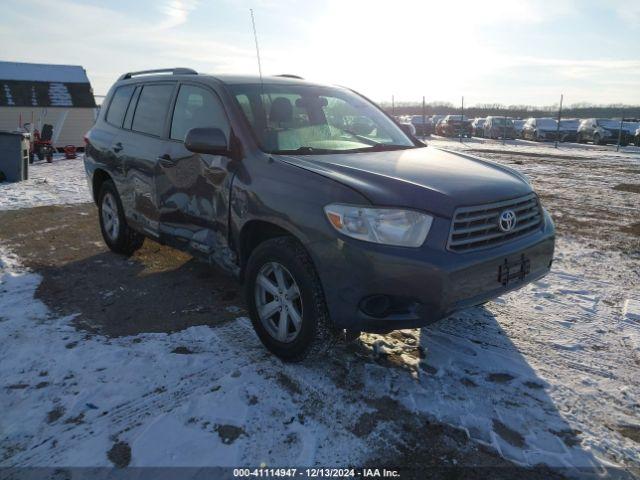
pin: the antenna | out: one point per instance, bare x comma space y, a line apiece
255, 37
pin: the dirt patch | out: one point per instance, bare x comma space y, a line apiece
500, 377
523, 153
628, 187
77, 420
55, 414
229, 433
182, 351
447, 454
509, 435
533, 385
120, 454
632, 432
17, 386
288, 383
633, 229
571, 438
158, 289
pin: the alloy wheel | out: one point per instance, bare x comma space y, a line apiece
278, 302
110, 219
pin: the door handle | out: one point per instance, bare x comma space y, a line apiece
117, 147
166, 161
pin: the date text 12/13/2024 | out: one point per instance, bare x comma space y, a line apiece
315, 473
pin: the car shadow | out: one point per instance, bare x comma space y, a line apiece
474, 377
152, 291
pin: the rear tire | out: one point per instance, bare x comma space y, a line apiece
298, 300
118, 236
596, 139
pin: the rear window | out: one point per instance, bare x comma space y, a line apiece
118, 106
152, 108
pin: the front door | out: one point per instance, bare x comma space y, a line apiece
193, 188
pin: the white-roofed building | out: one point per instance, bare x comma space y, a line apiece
38, 94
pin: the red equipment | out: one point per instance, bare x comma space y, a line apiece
70, 152
41, 144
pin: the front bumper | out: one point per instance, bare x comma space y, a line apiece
431, 282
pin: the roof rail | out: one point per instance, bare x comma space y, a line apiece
172, 71
289, 75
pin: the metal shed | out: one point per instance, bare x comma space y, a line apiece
60, 95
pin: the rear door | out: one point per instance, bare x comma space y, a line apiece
105, 136
193, 188
142, 145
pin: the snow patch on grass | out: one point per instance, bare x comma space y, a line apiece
57, 183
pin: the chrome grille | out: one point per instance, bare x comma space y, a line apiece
477, 227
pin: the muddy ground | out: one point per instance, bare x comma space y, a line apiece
158, 289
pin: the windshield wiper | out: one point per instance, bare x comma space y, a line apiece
382, 147
306, 149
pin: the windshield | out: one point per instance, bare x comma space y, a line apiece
500, 121
546, 123
570, 124
307, 119
608, 123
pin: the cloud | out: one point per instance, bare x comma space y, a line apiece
176, 12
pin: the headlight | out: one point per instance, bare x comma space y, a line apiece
389, 226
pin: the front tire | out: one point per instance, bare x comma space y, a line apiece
118, 236
286, 301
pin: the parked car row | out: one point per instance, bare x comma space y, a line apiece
598, 131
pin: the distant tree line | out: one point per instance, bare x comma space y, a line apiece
576, 110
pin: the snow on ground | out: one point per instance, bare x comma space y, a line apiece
216, 400
552, 359
60, 182
544, 375
528, 147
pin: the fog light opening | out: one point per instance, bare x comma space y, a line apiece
376, 305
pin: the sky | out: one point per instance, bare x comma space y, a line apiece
508, 52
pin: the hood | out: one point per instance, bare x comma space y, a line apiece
426, 178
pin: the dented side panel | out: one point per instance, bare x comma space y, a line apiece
193, 198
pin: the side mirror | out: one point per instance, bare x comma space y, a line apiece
206, 140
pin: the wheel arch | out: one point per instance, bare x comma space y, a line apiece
99, 177
255, 232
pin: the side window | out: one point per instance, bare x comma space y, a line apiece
118, 105
197, 107
245, 105
152, 108
128, 118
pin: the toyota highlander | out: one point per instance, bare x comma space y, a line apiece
335, 220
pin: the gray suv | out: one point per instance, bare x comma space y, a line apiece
334, 219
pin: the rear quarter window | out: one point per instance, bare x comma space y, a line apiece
152, 108
118, 105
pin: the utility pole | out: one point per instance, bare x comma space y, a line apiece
504, 130
620, 130
559, 118
393, 106
424, 119
462, 119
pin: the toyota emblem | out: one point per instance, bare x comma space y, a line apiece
507, 221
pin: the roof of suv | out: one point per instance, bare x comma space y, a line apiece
230, 79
